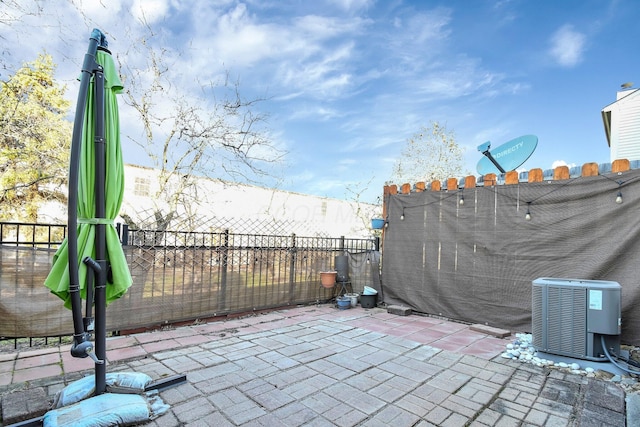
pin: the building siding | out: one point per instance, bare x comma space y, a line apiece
625, 126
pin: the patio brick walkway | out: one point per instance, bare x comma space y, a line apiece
319, 366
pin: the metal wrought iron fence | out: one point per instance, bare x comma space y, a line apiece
178, 276
37, 236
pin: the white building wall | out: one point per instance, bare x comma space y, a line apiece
625, 126
212, 198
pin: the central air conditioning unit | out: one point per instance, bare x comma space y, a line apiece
570, 317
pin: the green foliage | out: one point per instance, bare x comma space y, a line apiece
430, 154
34, 140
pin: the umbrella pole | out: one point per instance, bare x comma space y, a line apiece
101, 239
82, 346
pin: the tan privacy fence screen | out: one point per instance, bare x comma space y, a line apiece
476, 261
184, 282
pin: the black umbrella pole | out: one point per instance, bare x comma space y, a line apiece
81, 344
101, 237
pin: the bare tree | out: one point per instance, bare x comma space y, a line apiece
187, 128
363, 210
215, 133
432, 153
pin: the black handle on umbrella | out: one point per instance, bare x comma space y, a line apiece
80, 337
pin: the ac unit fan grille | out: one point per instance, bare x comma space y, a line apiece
537, 326
567, 319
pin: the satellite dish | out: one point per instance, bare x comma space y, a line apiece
508, 156
626, 85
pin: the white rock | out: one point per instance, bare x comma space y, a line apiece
575, 366
506, 355
563, 365
509, 346
589, 370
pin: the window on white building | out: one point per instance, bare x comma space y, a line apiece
142, 186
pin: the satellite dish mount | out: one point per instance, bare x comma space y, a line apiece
484, 149
506, 157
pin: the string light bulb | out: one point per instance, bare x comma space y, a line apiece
527, 216
619, 197
402, 215
461, 200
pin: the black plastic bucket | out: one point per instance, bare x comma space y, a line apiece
368, 301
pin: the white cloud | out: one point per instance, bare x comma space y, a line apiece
567, 46
317, 28
295, 57
234, 37
468, 77
318, 113
558, 163
428, 64
352, 5
94, 9
150, 11
325, 76
419, 37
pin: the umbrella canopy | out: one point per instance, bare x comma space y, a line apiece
119, 278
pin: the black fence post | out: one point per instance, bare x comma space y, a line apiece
224, 254
377, 243
125, 234
292, 269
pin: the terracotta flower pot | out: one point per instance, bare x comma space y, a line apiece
328, 278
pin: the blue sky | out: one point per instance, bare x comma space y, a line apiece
348, 81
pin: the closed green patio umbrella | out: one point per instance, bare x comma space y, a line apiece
92, 257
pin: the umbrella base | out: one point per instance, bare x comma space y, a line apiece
167, 382
86, 384
107, 409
